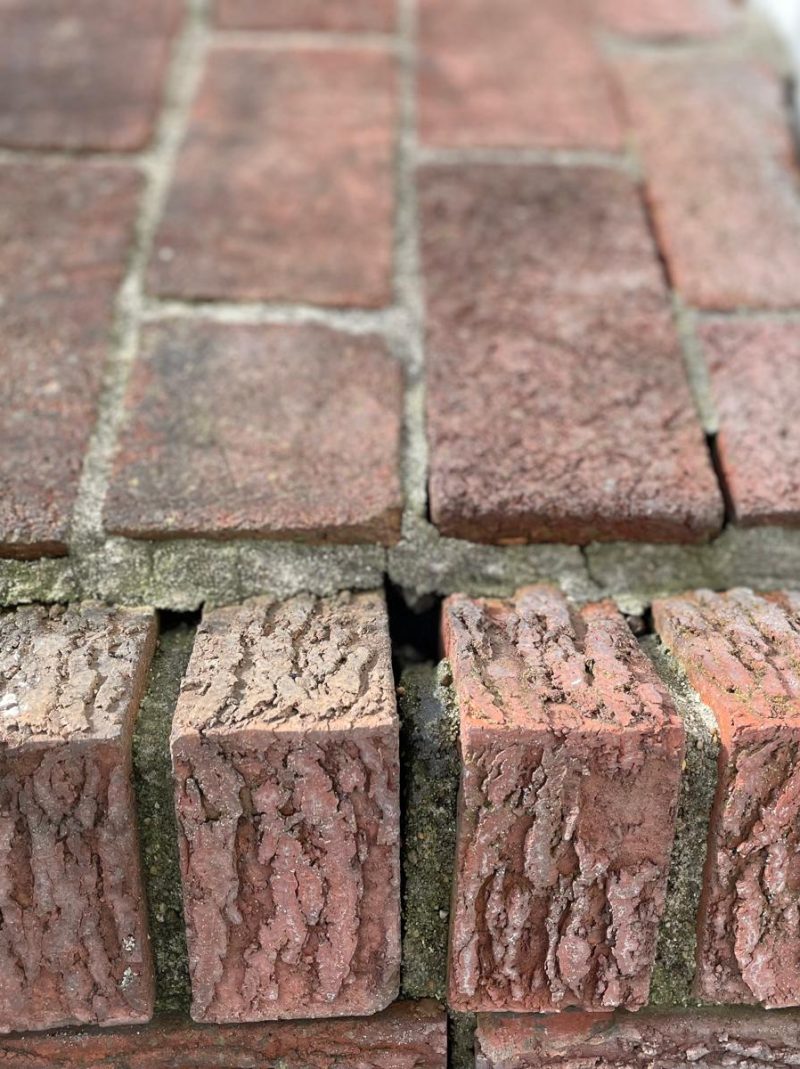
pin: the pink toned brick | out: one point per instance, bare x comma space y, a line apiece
661, 19
741, 653
65, 234
558, 408
73, 943
571, 754
281, 432
721, 179
84, 75
755, 379
512, 74
285, 754
284, 187
374, 16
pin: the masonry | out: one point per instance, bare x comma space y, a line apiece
399, 534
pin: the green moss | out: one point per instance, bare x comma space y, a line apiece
156, 815
431, 766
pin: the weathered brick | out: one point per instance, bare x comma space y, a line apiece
755, 379
284, 187
666, 1040
275, 432
513, 74
64, 235
83, 75
558, 408
73, 942
723, 193
741, 652
571, 754
665, 18
409, 1035
336, 15
285, 755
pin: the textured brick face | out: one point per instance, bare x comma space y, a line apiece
83, 75
284, 187
512, 74
285, 753
558, 408
571, 754
64, 237
335, 15
73, 943
755, 379
741, 653
276, 432
723, 193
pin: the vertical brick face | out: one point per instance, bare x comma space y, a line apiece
336, 15
285, 753
740, 652
665, 18
65, 232
284, 187
512, 74
755, 379
73, 943
276, 432
533, 276
723, 193
83, 75
571, 752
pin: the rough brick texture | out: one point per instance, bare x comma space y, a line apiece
276, 432
314, 129
64, 236
83, 75
533, 276
668, 1040
336, 15
755, 380
741, 652
407, 1036
571, 755
723, 193
73, 934
512, 74
285, 754
660, 19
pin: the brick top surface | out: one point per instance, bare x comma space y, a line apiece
535, 661
336, 15
740, 651
71, 674
300, 665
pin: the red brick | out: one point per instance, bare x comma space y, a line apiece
571, 751
284, 187
285, 754
83, 75
274, 432
670, 1039
755, 378
723, 191
409, 1035
64, 236
558, 408
665, 18
336, 15
740, 652
512, 74
74, 946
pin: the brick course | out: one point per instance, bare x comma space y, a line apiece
335, 15
571, 754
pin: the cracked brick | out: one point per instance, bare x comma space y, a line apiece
741, 653
285, 755
74, 946
571, 755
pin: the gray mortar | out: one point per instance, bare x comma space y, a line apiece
461, 1040
430, 792
156, 817
674, 970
